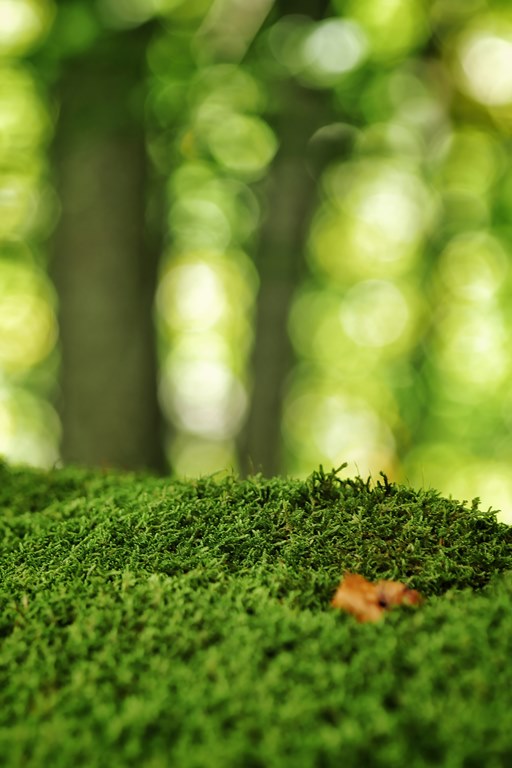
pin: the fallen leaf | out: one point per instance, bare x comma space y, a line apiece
367, 600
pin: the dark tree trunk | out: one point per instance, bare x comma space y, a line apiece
290, 200
105, 262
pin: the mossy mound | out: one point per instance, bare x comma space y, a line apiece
150, 622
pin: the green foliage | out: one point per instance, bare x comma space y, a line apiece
150, 622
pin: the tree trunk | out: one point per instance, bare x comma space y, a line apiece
105, 260
291, 197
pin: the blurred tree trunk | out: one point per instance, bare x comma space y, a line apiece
105, 260
290, 199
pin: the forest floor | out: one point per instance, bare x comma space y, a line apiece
152, 622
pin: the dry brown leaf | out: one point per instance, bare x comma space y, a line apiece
367, 600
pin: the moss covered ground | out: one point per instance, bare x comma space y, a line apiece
155, 623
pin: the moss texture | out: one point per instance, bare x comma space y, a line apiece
150, 622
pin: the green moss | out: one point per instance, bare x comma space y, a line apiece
151, 622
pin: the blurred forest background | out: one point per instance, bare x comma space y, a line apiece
259, 235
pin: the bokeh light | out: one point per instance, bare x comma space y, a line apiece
29, 427
373, 222
320, 54
486, 62
394, 27
28, 328
204, 302
242, 144
473, 348
23, 24
323, 425
374, 313
473, 266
